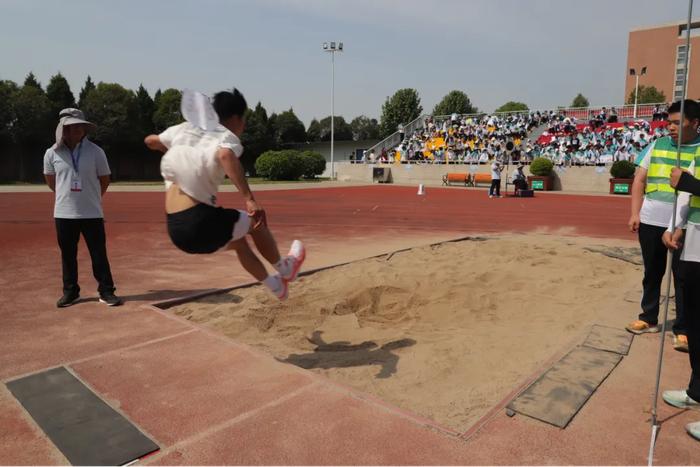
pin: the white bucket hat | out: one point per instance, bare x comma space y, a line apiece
67, 117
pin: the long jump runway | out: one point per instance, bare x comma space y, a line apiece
204, 399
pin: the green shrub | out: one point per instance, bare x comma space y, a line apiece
313, 162
541, 167
280, 165
622, 169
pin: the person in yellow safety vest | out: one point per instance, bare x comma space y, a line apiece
688, 226
652, 209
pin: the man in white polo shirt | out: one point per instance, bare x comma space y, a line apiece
76, 169
652, 209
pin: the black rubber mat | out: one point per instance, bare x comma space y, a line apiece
610, 339
81, 425
558, 395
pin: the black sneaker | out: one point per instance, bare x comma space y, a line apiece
68, 299
110, 299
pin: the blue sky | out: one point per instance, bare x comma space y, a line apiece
536, 51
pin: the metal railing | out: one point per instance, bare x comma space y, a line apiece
394, 139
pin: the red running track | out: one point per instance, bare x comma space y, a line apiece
346, 212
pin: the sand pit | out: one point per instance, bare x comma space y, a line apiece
446, 331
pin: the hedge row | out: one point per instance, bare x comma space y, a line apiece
290, 165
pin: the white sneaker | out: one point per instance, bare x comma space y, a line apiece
693, 429
680, 399
296, 256
283, 292
277, 286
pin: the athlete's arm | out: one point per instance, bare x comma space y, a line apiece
153, 142
234, 170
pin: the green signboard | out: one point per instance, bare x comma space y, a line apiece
623, 188
538, 184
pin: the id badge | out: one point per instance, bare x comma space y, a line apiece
75, 185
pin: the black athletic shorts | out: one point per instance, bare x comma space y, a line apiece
202, 228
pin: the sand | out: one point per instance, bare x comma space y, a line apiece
446, 331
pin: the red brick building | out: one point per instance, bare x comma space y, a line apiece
661, 49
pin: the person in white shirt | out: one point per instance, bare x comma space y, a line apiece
495, 189
651, 212
196, 159
519, 178
76, 169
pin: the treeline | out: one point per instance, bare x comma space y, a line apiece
29, 114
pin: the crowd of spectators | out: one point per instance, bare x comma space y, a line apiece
460, 139
566, 141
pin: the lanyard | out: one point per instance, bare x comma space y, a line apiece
76, 158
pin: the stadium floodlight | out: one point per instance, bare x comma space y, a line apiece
333, 48
642, 72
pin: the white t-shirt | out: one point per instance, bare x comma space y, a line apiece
495, 171
655, 212
191, 159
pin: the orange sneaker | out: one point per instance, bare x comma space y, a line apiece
680, 343
640, 327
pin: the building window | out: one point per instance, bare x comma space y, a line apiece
680, 71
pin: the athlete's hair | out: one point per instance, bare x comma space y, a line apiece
227, 103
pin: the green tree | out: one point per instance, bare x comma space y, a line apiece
145, 107
258, 136
33, 129
31, 80
455, 102
364, 128
59, 93
288, 128
8, 90
88, 87
647, 95
341, 129
167, 111
313, 133
512, 106
580, 101
157, 96
112, 108
33, 116
403, 107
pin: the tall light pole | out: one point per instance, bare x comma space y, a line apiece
636, 85
332, 47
